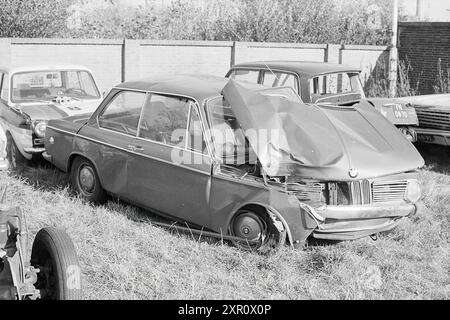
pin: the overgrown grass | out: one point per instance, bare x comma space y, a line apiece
124, 257
442, 84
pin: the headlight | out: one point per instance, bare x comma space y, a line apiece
39, 128
413, 192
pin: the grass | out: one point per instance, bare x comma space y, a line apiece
123, 256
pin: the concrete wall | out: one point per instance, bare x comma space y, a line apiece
114, 61
422, 44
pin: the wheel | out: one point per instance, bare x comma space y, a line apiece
253, 226
15, 158
85, 181
59, 276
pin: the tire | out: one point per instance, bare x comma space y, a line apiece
260, 227
54, 254
84, 181
15, 158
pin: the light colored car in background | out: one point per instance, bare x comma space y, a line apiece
31, 96
433, 111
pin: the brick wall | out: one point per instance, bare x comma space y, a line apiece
114, 61
423, 44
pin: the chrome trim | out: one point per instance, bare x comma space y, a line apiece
34, 150
146, 156
61, 130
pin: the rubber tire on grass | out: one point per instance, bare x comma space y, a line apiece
54, 253
12, 150
98, 194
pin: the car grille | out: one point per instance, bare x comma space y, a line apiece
388, 191
366, 192
429, 118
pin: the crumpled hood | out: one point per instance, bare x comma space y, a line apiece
320, 142
53, 110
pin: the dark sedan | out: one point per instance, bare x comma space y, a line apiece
241, 160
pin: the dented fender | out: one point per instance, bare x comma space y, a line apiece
229, 196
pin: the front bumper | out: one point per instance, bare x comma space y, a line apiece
354, 222
34, 150
433, 136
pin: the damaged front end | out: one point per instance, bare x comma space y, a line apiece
340, 173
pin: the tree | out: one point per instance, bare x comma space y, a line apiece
33, 18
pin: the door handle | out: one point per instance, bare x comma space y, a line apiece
135, 148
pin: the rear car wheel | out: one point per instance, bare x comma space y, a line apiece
85, 181
59, 276
253, 226
15, 158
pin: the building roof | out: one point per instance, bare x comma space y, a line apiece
199, 87
303, 68
41, 68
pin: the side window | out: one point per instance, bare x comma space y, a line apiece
165, 119
123, 112
245, 75
280, 79
3, 86
196, 140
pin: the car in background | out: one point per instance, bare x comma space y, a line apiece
433, 112
326, 83
30, 96
241, 161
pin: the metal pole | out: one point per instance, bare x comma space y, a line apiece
393, 54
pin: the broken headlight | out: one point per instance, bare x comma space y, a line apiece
39, 128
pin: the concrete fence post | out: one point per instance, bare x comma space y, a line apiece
333, 53
239, 52
131, 59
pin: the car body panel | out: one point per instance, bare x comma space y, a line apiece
208, 194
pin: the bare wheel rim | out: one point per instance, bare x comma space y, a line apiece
86, 179
249, 226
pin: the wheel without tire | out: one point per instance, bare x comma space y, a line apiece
15, 158
85, 181
54, 254
252, 226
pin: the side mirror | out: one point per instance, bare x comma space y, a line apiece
105, 93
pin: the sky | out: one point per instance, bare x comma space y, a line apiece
432, 10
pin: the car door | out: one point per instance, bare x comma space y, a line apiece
170, 169
108, 141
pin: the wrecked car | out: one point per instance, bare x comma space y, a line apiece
30, 96
326, 83
433, 112
52, 273
240, 161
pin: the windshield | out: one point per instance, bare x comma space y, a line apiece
47, 85
335, 84
229, 141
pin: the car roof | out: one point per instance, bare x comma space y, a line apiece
31, 68
199, 87
303, 68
